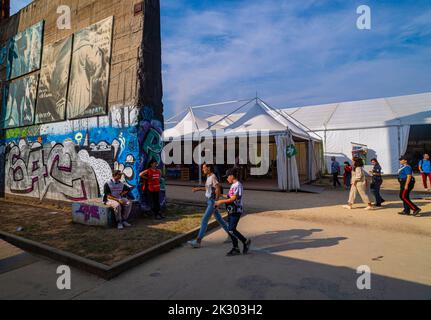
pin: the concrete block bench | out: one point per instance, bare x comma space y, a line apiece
96, 213
93, 213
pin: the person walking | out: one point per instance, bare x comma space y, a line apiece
359, 185
425, 170
212, 193
407, 184
152, 183
234, 204
377, 181
347, 175
335, 172
115, 193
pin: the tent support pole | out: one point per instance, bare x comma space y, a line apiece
399, 142
200, 159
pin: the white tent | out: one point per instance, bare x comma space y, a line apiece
189, 125
260, 117
383, 125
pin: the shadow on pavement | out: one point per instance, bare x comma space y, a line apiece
289, 278
280, 241
260, 275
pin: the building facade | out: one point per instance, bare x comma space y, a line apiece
81, 95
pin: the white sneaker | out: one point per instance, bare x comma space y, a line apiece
369, 208
120, 226
348, 207
126, 224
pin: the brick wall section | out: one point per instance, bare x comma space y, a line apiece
127, 36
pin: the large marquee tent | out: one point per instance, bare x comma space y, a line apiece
249, 117
382, 125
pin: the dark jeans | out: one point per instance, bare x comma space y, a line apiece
155, 202
405, 196
376, 192
235, 235
348, 180
335, 180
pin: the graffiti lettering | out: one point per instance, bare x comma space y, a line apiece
38, 171
63, 162
89, 212
153, 145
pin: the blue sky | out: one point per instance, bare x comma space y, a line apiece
292, 53
16, 5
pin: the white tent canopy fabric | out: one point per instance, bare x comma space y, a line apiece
293, 182
383, 125
281, 142
187, 126
259, 118
373, 113
256, 119
287, 170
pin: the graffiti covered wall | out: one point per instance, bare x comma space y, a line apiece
150, 133
55, 162
50, 157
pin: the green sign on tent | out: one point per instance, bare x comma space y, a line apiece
291, 151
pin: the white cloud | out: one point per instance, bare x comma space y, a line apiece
289, 55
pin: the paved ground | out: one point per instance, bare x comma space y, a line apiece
304, 246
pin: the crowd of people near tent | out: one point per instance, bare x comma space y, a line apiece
355, 179
358, 181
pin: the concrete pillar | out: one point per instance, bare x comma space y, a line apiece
151, 123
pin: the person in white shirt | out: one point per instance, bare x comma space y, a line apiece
212, 193
235, 208
359, 185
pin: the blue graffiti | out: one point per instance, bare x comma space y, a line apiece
101, 149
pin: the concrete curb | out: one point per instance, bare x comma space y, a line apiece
99, 269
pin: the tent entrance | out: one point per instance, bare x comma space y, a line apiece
419, 143
189, 173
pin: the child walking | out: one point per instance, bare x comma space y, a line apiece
234, 205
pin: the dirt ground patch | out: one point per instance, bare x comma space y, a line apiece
54, 228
